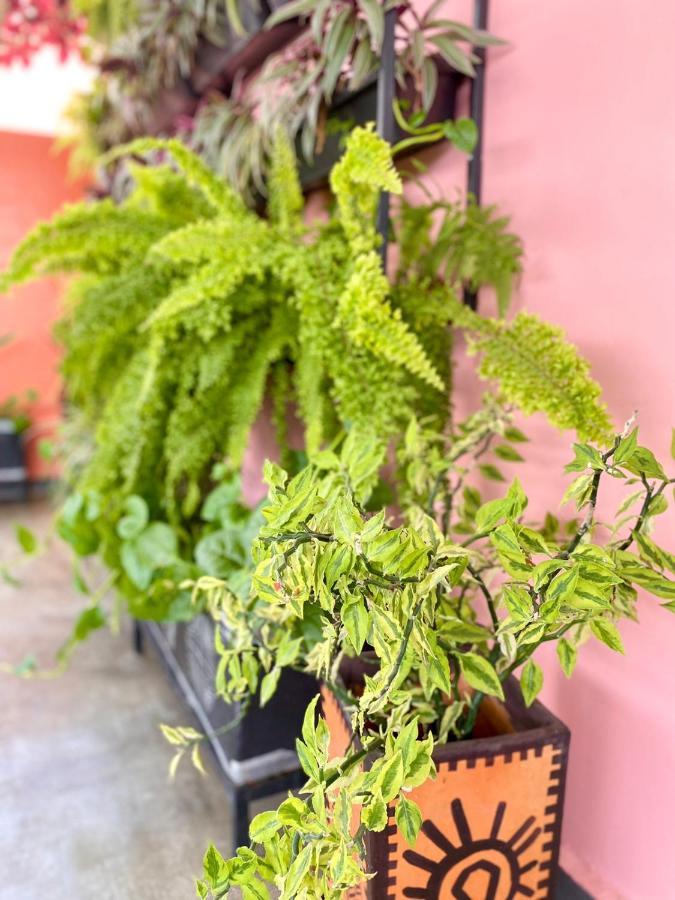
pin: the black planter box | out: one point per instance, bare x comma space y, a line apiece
13, 481
257, 751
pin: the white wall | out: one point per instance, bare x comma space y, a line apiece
33, 98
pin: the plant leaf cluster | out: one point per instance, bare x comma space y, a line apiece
447, 600
189, 306
149, 52
338, 52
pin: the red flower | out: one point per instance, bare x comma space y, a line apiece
29, 25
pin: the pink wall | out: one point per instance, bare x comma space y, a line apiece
33, 185
580, 143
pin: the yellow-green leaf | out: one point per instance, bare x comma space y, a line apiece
531, 681
480, 674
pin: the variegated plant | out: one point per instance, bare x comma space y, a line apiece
447, 598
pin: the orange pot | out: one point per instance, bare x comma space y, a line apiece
491, 818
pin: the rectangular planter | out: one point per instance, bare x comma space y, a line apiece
492, 817
13, 479
262, 744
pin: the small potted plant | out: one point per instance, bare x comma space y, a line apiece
15, 421
432, 773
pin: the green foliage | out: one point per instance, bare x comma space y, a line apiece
190, 306
537, 370
339, 51
453, 598
17, 408
107, 19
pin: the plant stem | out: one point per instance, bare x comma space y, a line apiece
353, 760
404, 646
486, 593
593, 500
650, 494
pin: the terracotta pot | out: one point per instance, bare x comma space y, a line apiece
491, 818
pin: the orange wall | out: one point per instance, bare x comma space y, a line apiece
34, 183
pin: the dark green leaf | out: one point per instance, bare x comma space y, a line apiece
355, 618
562, 587
626, 449
518, 602
508, 453
408, 819
491, 472
643, 462
515, 435
567, 656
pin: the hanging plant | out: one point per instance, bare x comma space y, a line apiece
190, 308
338, 52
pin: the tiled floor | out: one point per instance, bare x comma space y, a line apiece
86, 809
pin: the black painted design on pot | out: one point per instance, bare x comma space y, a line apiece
492, 859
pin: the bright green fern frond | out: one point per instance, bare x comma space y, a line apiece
165, 192
217, 192
366, 315
98, 237
538, 370
365, 169
206, 283
284, 191
101, 330
248, 389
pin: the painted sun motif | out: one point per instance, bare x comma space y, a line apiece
481, 868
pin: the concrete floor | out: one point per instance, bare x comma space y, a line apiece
86, 808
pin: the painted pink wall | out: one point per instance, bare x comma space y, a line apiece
579, 150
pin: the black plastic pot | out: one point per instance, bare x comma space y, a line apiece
13, 481
262, 730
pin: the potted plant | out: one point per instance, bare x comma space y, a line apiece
191, 309
320, 83
165, 376
15, 421
431, 773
